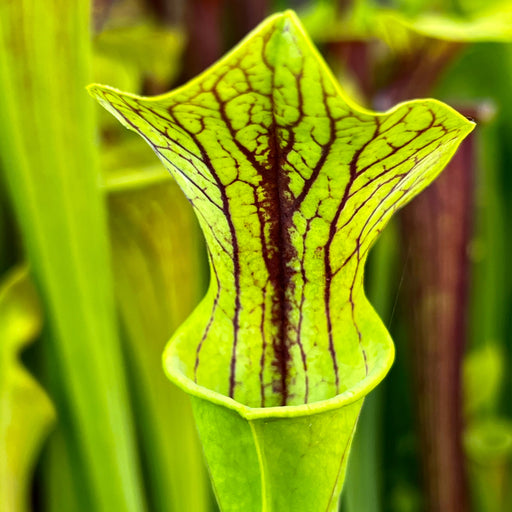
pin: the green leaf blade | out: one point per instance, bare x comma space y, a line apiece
49, 158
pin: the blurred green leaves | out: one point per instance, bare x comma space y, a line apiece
144, 49
483, 378
50, 164
26, 413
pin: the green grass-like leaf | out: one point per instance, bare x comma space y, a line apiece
48, 154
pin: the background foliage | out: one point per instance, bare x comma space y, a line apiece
118, 263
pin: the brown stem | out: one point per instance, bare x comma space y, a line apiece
416, 74
100, 13
357, 57
436, 231
203, 20
243, 16
165, 12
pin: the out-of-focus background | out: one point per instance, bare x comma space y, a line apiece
102, 258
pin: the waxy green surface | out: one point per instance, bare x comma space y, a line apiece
291, 183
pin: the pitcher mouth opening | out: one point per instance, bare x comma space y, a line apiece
175, 370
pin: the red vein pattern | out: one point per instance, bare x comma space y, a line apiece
291, 185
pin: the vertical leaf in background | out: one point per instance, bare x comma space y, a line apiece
48, 155
204, 35
292, 183
26, 413
159, 278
